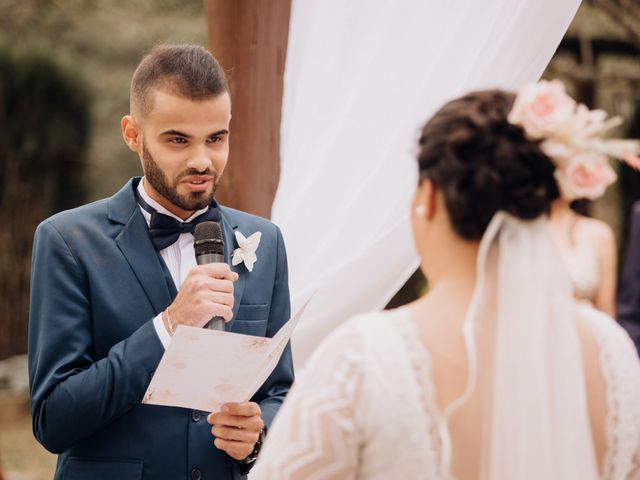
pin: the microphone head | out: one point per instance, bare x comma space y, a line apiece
208, 238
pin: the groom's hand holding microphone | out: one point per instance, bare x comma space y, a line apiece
205, 297
206, 293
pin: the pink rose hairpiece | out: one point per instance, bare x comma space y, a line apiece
573, 137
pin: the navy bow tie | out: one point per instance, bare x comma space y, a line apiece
165, 230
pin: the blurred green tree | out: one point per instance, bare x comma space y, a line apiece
44, 132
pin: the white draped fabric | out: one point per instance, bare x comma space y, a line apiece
361, 79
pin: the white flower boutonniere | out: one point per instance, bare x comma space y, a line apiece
246, 251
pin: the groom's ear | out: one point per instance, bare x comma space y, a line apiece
130, 132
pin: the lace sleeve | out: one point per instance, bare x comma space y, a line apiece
621, 371
634, 474
316, 434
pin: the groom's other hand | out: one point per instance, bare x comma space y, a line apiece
237, 428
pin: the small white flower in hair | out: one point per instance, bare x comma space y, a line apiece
246, 251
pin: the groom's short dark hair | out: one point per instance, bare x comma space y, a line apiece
190, 71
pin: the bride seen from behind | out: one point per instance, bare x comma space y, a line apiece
495, 373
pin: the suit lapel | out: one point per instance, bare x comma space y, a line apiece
228, 234
135, 244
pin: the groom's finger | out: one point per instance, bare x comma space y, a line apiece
237, 450
253, 424
248, 409
235, 434
220, 271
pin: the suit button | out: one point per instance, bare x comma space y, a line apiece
196, 416
196, 474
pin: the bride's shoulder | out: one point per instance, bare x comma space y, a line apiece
365, 322
358, 344
382, 326
368, 331
377, 320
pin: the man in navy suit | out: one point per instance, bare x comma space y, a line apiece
112, 280
628, 301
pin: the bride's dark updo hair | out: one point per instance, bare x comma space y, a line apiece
481, 163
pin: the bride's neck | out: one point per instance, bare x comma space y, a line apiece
451, 294
453, 263
452, 277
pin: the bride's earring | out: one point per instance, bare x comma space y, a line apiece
420, 210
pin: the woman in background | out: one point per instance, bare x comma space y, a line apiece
587, 245
588, 248
496, 374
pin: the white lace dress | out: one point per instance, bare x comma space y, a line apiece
364, 407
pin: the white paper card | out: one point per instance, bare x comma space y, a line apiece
203, 369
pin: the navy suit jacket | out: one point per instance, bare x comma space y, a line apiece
628, 301
97, 283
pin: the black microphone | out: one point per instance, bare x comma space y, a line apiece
209, 248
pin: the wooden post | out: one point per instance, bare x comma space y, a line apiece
249, 38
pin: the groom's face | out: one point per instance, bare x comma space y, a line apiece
184, 145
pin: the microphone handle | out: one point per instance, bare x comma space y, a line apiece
216, 323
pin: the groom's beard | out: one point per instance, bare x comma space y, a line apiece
159, 181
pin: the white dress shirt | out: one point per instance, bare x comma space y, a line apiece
179, 257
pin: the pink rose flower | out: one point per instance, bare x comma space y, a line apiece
585, 176
573, 136
542, 109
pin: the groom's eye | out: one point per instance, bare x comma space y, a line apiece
178, 140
